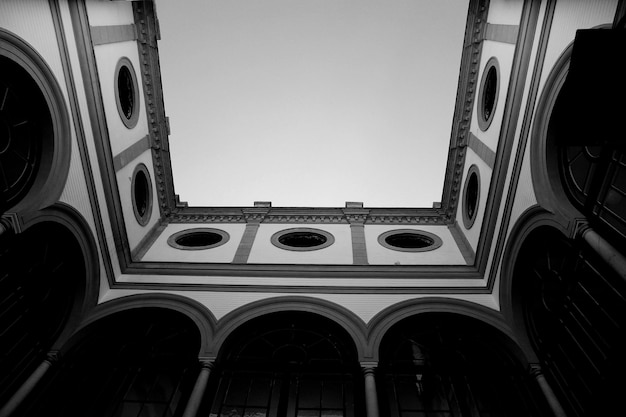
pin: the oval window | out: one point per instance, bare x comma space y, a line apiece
302, 239
471, 195
489, 87
141, 190
409, 240
126, 93
198, 239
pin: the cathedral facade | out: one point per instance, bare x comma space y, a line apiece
507, 298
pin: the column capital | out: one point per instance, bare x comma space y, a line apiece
368, 367
535, 370
207, 363
53, 357
10, 223
579, 228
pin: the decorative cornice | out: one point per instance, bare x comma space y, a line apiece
468, 74
170, 206
417, 220
305, 218
207, 218
147, 36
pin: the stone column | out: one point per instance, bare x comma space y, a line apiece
371, 397
198, 390
22, 392
606, 251
536, 372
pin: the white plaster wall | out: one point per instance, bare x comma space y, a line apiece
505, 12
107, 57
106, 13
485, 173
135, 231
504, 54
340, 252
32, 21
364, 306
161, 251
446, 254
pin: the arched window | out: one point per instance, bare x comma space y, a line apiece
25, 124
589, 170
41, 270
35, 143
140, 362
288, 364
575, 312
449, 365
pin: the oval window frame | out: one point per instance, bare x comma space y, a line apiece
468, 221
172, 239
145, 218
275, 239
485, 122
437, 242
129, 122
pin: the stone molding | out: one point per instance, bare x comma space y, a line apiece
241, 216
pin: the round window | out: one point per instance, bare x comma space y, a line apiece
488, 98
141, 190
471, 195
198, 239
409, 240
126, 93
302, 239
25, 127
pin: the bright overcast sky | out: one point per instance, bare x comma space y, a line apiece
310, 103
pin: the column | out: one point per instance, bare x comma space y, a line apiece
606, 251
198, 390
536, 372
371, 397
22, 392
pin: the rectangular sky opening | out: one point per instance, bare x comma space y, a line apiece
310, 103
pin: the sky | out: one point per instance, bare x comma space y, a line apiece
310, 103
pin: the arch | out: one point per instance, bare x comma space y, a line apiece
442, 362
352, 324
387, 318
533, 218
544, 163
49, 181
196, 312
120, 363
544, 168
50, 280
75, 223
571, 305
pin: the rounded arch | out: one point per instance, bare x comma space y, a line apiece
196, 312
146, 358
387, 318
50, 280
530, 220
353, 325
53, 164
544, 149
544, 167
68, 217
